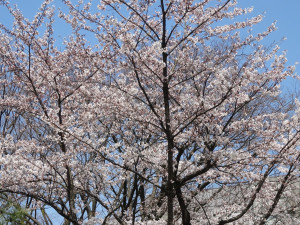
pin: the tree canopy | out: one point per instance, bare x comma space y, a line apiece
150, 113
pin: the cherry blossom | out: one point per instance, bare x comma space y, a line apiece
170, 114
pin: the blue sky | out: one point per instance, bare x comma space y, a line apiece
285, 12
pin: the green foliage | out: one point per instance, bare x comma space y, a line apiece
11, 214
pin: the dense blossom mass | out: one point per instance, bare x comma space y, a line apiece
150, 113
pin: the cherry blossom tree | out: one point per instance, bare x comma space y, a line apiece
150, 112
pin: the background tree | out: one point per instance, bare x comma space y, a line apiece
167, 116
